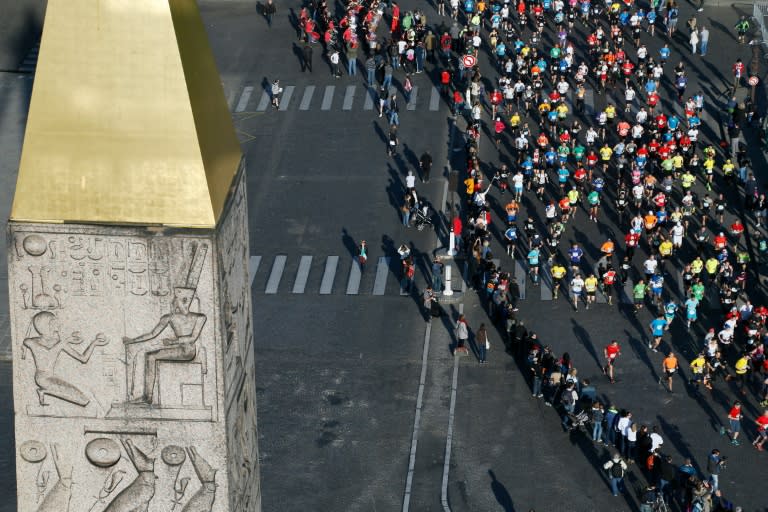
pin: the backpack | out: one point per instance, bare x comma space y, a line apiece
616, 470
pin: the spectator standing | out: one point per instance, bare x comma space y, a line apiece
616, 469
704, 40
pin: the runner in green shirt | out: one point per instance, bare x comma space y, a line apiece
698, 290
638, 292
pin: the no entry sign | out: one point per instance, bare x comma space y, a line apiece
469, 61
753, 80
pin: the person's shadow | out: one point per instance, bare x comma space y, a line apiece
500, 493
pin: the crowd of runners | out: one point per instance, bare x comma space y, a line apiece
679, 210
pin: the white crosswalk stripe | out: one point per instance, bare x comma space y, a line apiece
286, 99
244, 98
434, 100
349, 98
413, 98
330, 273
306, 100
276, 275
263, 102
328, 97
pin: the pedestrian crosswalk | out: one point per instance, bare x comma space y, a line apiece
326, 98
344, 276
350, 98
317, 276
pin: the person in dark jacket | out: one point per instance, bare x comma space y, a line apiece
666, 473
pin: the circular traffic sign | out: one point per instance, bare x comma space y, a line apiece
469, 61
753, 81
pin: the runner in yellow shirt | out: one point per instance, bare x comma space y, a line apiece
590, 285
605, 155
558, 273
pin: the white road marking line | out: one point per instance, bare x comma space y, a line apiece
414, 96
263, 102
277, 273
349, 98
434, 100
244, 99
355, 273
328, 97
382, 271
326, 285
306, 100
302, 274
286, 99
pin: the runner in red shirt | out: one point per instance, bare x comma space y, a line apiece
762, 430
611, 351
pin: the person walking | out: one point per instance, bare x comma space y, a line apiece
370, 68
669, 367
276, 91
306, 58
335, 59
611, 352
269, 11
616, 469
425, 162
392, 140
362, 254
461, 331
734, 424
394, 111
409, 272
694, 40
481, 340
703, 40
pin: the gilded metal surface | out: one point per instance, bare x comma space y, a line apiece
128, 123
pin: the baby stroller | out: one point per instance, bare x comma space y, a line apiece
578, 421
422, 218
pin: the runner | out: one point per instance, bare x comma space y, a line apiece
669, 367
611, 352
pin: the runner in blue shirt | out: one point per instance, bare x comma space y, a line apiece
533, 263
657, 331
511, 235
690, 310
657, 287
664, 53
670, 310
575, 253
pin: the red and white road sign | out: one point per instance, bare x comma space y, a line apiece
753, 81
469, 61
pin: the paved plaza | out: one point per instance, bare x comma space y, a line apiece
362, 405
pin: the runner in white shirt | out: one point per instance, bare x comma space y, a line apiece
577, 289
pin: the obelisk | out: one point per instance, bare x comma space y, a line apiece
133, 358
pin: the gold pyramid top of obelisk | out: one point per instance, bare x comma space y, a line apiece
128, 123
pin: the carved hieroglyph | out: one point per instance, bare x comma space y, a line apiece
133, 367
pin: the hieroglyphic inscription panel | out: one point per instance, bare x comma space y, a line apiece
118, 381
